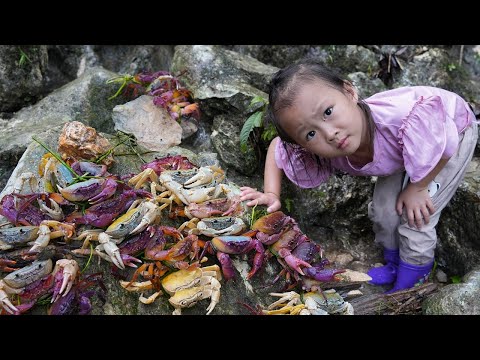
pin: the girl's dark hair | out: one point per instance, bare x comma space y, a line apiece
284, 88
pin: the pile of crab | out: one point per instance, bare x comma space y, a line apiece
78, 203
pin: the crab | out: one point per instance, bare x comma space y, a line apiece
310, 303
235, 245
19, 210
187, 287
193, 185
92, 190
103, 213
77, 301
220, 226
135, 220
220, 206
26, 282
153, 169
38, 236
283, 235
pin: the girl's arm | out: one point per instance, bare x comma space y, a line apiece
416, 200
272, 184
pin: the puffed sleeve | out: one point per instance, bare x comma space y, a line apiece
426, 135
303, 168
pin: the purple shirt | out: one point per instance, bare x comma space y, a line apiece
414, 127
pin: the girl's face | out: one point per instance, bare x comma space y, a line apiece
326, 121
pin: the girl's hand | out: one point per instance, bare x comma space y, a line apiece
259, 198
418, 205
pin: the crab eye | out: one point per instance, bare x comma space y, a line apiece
310, 135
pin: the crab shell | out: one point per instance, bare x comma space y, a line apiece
185, 279
187, 297
28, 274
272, 223
330, 301
224, 225
17, 236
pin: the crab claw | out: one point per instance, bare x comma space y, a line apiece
109, 188
323, 274
129, 260
205, 175
293, 261
42, 240
64, 273
286, 299
6, 304
111, 249
55, 212
152, 211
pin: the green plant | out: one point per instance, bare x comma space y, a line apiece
88, 261
456, 279
451, 67
23, 58
476, 56
124, 80
256, 120
77, 178
256, 214
288, 204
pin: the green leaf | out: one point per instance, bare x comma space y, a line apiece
255, 120
288, 204
456, 279
269, 132
257, 100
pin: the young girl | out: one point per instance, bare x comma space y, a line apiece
418, 140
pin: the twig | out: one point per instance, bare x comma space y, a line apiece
60, 160
461, 55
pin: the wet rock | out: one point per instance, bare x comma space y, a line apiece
224, 83
456, 299
84, 99
22, 70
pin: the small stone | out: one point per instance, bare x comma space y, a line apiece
342, 260
83, 143
353, 276
353, 294
441, 276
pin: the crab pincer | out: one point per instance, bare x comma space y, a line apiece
111, 249
64, 274
293, 261
5, 302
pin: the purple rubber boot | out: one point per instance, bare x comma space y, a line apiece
409, 275
386, 274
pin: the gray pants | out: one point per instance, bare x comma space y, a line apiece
392, 231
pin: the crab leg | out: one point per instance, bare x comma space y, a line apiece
215, 297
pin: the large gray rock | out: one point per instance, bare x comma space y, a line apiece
224, 83
336, 215
152, 126
22, 72
84, 99
456, 299
132, 59
458, 249
343, 58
